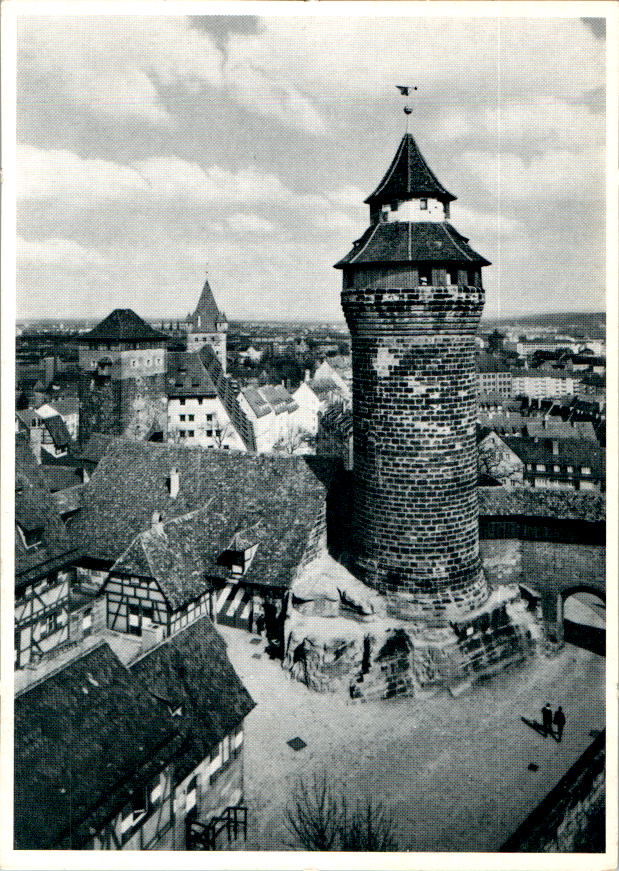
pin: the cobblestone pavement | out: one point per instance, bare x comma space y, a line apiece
454, 772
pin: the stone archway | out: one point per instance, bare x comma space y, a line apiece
558, 629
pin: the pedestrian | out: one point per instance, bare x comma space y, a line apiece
547, 719
559, 721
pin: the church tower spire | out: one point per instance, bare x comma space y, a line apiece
412, 296
208, 326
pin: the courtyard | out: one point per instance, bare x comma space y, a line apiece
453, 772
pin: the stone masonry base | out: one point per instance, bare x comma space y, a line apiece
372, 656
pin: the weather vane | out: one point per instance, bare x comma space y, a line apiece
405, 90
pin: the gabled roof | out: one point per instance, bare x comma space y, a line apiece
403, 242
213, 699
122, 325
35, 509
228, 396
188, 376
409, 176
206, 316
574, 451
130, 483
85, 738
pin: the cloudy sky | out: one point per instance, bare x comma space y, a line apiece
151, 149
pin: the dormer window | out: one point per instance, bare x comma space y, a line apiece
423, 204
30, 537
237, 558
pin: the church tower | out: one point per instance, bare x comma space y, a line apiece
208, 326
413, 296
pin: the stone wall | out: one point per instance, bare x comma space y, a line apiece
571, 817
415, 528
129, 407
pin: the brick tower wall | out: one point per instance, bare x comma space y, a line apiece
415, 516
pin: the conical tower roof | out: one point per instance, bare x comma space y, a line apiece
207, 315
409, 176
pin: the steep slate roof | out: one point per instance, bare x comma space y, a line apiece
409, 176
188, 376
213, 699
403, 242
130, 483
122, 325
573, 452
35, 509
207, 310
228, 396
84, 738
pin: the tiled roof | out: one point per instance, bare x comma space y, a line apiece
402, 242
35, 509
574, 452
83, 739
338, 421
122, 325
278, 398
95, 447
206, 310
228, 396
257, 401
188, 376
57, 429
543, 502
130, 483
61, 477
213, 699
409, 176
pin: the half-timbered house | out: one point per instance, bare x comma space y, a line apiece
260, 519
114, 753
44, 565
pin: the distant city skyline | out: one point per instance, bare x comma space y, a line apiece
154, 148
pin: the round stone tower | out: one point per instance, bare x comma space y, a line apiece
413, 296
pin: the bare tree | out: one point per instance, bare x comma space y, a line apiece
322, 816
293, 438
221, 433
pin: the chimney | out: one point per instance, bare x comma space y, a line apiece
156, 522
174, 482
152, 634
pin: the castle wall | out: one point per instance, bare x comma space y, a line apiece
415, 465
128, 406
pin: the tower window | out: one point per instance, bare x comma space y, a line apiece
423, 203
394, 207
453, 276
425, 275
471, 277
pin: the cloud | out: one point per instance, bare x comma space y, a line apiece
556, 176
248, 223
63, 253
64, 177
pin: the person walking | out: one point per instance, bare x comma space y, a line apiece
547, 719
559, 721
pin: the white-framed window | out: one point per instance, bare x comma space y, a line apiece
586, 470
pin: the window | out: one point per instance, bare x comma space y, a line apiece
190, 433
472, 278
394, 207
191, 418
209, 416
570, 469
181, 401
181, 417
30, 537
181, 433
191, 796
423, 203
134, 623
87, 622
586, 470
48, 625
425, 275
